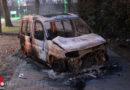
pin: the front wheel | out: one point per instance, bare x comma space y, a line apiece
57, 65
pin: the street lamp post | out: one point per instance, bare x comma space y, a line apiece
65, 6
18, 1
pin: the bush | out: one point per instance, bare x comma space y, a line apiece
109, 18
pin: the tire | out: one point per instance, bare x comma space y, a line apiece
57, 65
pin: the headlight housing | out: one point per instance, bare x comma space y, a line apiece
72, 54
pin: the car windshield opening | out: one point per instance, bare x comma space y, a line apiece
81, 26
61, 28
67, 28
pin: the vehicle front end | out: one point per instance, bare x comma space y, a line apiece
77, 53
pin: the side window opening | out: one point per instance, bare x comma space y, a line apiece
38, 31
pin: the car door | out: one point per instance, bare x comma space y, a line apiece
38, 41
25, 36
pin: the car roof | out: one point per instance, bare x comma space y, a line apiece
51, 17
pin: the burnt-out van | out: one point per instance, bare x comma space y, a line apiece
63, 41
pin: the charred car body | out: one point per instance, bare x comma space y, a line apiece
64, 42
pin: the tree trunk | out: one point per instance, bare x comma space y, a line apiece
37, 4
69, 6
6, 13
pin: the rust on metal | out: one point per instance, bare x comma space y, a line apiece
64, 42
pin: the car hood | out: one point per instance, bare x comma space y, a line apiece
79, 43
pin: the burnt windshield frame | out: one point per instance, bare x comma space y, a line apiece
84, 24
63, 26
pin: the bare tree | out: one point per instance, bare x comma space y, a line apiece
37, 4
6, 13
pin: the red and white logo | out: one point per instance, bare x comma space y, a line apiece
2, 84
